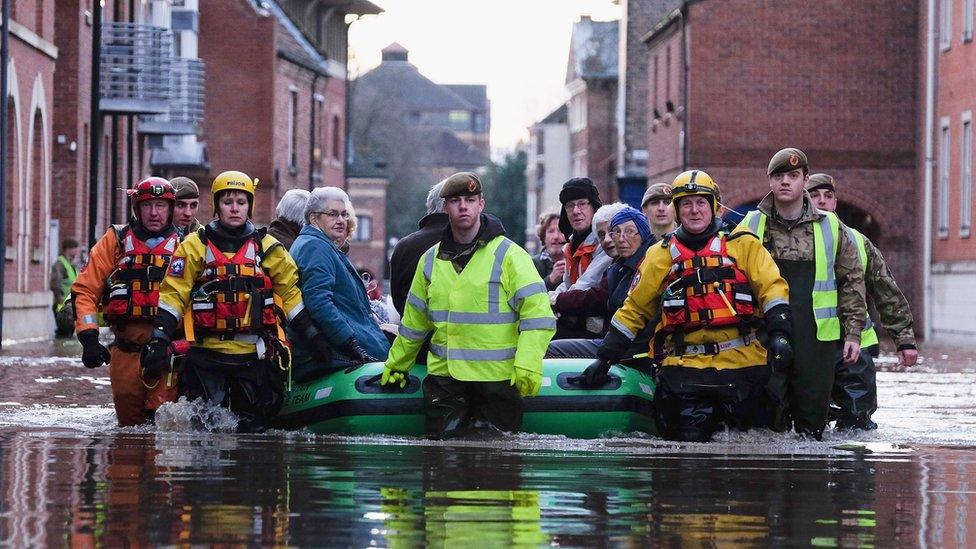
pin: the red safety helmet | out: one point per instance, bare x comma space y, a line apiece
152, 188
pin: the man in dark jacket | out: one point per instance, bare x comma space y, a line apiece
288, 223
407, 252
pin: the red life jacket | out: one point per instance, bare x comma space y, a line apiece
132, 291
232, 294
705, 289
577, 262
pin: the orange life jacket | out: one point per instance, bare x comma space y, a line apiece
705, 289
232, 294
132, 290
577, 262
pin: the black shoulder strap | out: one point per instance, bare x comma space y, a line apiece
733, 236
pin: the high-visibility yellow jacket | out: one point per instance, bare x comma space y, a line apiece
869, 336
644, 302
182, 279
492, 315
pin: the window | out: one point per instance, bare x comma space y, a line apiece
944, 180
945, 24
364, 227
540, 174
967, 20
540, 143
667, 74
460, 121
655, 91
480, 123
966, 175
336, 137
293, 131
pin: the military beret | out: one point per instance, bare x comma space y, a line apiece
787, 160
821, 181
655, 192
461, 184
185, 188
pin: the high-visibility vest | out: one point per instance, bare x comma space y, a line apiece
826, 242
869, 336
476, 321
71, 273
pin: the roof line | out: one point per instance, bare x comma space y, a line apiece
296, 34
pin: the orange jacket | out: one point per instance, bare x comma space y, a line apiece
577, 262
90, 284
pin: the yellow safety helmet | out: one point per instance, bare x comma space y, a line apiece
696, 183
234, 181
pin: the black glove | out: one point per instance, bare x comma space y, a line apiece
614, 346
780, 352
352, 349
595, 375
155, 356
322, 349
93, 353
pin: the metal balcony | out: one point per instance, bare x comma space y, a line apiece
184, 112
136, 69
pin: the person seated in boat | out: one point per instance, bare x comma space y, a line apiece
288, 221
225, 283
479, 297
333, 291
712, 291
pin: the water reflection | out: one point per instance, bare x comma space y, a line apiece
135, 489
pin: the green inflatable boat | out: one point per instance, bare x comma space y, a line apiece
352, 402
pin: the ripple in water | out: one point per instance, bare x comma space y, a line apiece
187, 416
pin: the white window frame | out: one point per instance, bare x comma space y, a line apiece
966, 175
967, 20
945, 24
364, 228
944, 160
292, 129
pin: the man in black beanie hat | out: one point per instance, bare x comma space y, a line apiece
580, 200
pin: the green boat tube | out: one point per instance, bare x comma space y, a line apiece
352, 402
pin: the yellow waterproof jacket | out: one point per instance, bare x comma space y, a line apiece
492, 315
644, 302
186, 267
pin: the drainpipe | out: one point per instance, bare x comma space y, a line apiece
96, 121
684, 88
929, 167
4, 144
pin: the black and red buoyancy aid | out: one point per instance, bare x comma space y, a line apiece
233, 295
132, 291
705, 288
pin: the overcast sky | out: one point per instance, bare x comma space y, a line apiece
518, 48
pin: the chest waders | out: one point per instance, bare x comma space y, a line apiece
804, 391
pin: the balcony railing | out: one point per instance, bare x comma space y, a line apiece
136, 69
185, 111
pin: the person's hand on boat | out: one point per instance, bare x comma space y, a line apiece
595, 375
93, 353
528, 382
393, 377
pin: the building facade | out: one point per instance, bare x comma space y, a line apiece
548, 166
852, 107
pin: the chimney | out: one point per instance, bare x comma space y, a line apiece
395, 52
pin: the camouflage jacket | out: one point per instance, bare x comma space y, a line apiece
893, 311
793, 241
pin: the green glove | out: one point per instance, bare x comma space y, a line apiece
528, 382
393, 377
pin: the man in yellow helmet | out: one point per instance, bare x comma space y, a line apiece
223, 283
479, 297
713, 292
820, 263
855, 392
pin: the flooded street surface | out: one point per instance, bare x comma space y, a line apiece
69, 477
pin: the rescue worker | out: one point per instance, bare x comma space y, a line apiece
586, 262
713, 291
289, 218
224, 285
656, 205
855, 391
820, 263
483, 303
63, 275
122, 281
187, 203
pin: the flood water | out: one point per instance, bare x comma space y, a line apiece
69, 477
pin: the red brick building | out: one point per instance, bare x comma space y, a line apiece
591, 80
30, 112
952, 270
813, 79
276, 93
367, 191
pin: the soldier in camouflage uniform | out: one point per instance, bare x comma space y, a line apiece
855, 393
820, 262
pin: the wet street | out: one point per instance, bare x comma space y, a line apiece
69, 477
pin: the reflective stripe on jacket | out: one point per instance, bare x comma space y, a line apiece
826, 236
484, 321
869, 336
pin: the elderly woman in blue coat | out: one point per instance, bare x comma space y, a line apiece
333, 292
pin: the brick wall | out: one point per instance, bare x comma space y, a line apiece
664, 85
601, 136
368, 197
